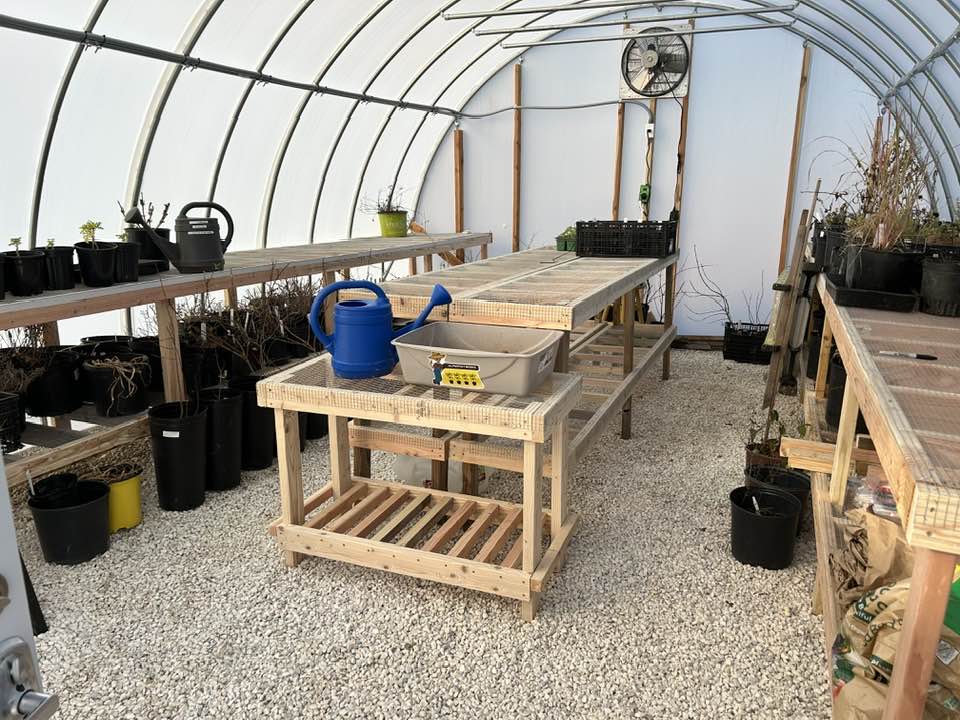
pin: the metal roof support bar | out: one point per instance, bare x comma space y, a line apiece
698, 31
640, 20
551, 9
938, 51
102, 41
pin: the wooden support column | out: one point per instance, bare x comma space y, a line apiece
917, 648
291, 476
560, 473
794, 156
428, 263
458, 186
339, 454
532, 518
651, 139
169, 337
629, 313
329, 278
826, 345
846, 435
361, 455
618, 162
439, 469
411, 266
517, 102
230, 298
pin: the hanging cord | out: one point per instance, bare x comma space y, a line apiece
583, 106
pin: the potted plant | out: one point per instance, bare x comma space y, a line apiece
763, 440
567, 240
120, 382
390, 212
72, 525
124, 481
96, 259
141, 237
126, 266
59, 264
24, 270
178, 436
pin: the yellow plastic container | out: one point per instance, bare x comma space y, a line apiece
125, 503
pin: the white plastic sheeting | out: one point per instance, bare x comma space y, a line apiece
291, 166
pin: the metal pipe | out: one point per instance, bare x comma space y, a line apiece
670, 33
639, 20
549, 9
187, 61
921, 65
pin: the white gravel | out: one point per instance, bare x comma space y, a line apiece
192, 615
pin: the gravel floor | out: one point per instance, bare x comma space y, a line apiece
192, 616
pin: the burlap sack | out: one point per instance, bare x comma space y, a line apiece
876, 554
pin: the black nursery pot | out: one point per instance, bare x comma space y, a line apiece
895, 272
150, 346
96, 263
149, 249
11, 421
73, 526
59, 263
26, 272
766, 539
940, 288
126, 266
57, 391
112, 395
795, 482
224, 436
90, 348
178, 435
54, 485
259, 432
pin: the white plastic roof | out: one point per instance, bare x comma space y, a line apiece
87, 127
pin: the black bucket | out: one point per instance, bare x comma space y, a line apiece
316, 426
26, 272
74, 525
836, 382
96, 263
57, 391
115, 395
126, 264
940, 288
765, 539
224, 436
53, 485
59, 261
259, 431
178, 435
795, 482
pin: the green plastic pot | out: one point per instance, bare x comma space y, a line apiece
393, 224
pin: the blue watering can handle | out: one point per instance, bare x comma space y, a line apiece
317, 308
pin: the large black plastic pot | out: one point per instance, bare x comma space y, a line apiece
59, 262
148, 249
114, 394
895, 272
53, 485
150, 346
97, 339
940, 288
795, 482
11, 421
26, 272
316, 426
836, 382
765, 539
224, 436
178, 435
96, 263
259, 432
126, 267
91, 350
73, 526
57, 391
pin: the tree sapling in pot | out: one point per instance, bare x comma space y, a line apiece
25, 271
127, 259
97, 260
763, 441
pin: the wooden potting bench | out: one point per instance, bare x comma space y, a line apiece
548, 289
912, 410
482, 544
64, 445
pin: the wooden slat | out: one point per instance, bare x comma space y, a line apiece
446, 531
514, 554
472, 535
379, 514
554, 557
358, 511
499, 538
339, 506
309, 505
441, 506
400, 520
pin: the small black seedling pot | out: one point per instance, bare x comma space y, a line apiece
178, 435
259, 432
795, 482
73, 525
126, 267
57, 391
765, 538
26, 272
224, 436
59, 262
119, 390
96, 263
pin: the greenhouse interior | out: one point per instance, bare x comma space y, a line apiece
480, 359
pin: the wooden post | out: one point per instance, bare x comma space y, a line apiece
339, 454
846, 432
651, 139
458, 186
618, 162
532, 518
794, 156
411, 266
291, 475
230, 298
329, 278
671, 272
922, 621
629, 312
560, 469
361, 456
517, 101
826, 345
439, 469
169, 337
428, 263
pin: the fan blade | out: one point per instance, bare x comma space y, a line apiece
642, 79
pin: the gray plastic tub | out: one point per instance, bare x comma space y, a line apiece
482, 358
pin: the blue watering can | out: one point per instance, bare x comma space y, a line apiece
364, 328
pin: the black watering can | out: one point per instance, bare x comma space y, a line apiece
198, 247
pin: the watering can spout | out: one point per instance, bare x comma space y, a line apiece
169, 249
439, 296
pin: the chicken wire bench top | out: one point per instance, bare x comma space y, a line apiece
542, 288
482, 544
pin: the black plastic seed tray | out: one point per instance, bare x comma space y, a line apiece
871, 299
626, 238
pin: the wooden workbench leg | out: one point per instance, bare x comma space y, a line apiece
846, 434
439, 469
169, 338
922, 622
291, 475
562, 362
412, 266
823, 368
339, 454
230, 298
629, 314
560, 473
471, 472
532, 518
428, 263
484, 250
668, 298
329, 278
361, 456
